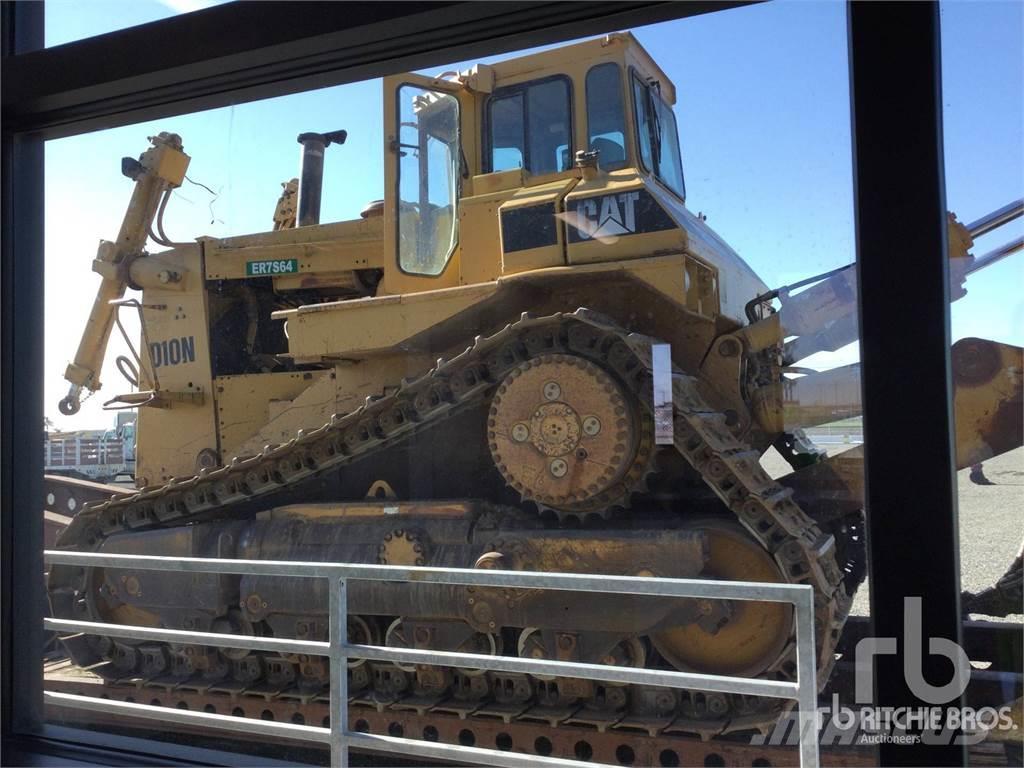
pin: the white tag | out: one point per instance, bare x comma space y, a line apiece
661, 370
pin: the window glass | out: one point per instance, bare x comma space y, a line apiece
606, 119
548, 120
507, 133
644, 121
658, 136
428, 174
530, 127
987, 310
670, 163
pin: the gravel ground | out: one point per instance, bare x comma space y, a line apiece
991, 521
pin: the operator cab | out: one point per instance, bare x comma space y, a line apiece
541, 161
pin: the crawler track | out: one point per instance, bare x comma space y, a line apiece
613, 746
804, 554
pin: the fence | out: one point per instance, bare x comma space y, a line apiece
339, 650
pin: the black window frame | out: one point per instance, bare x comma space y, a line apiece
487, 147
626, 144
636, 79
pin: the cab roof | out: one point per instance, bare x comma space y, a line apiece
550, 62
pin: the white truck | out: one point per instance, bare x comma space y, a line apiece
102, 455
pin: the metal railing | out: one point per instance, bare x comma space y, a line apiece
339, 650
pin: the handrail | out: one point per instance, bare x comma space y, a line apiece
338, 650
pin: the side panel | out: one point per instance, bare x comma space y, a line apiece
178, 353
530, 224
340, 390
355, 329
479, 237
246, 403
317, 250
615, 216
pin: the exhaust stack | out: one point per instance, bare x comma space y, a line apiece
311, 176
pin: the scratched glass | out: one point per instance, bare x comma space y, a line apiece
487, 326
985, 194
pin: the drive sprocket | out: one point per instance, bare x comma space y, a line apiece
565, 435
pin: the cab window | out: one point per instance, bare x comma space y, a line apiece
428, 178
657, 136
529, 126
606, 118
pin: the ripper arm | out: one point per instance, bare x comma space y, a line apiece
157, 171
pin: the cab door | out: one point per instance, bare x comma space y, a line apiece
426, 121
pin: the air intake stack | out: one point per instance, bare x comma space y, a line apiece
311, 177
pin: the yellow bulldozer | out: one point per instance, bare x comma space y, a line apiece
530, 355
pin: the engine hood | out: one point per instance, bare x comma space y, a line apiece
737, 282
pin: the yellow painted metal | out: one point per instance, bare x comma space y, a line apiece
374, 509
614, 247
666, 274
959, 242
162, 167
364, 327
480, 233
376, 326
172, 437
340, 389
574, 61
988, 399
246, 403
166, 161
755, 634
329, 255
155, 272
284, 212
551, 194
500, 181
374, 340
337, 247
562, 433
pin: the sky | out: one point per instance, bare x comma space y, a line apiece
764, 123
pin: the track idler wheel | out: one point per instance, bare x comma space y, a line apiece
754, 634
567, 436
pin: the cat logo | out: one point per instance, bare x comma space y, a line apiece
610, 215
606, 218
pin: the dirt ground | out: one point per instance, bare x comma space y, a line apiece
991, 521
